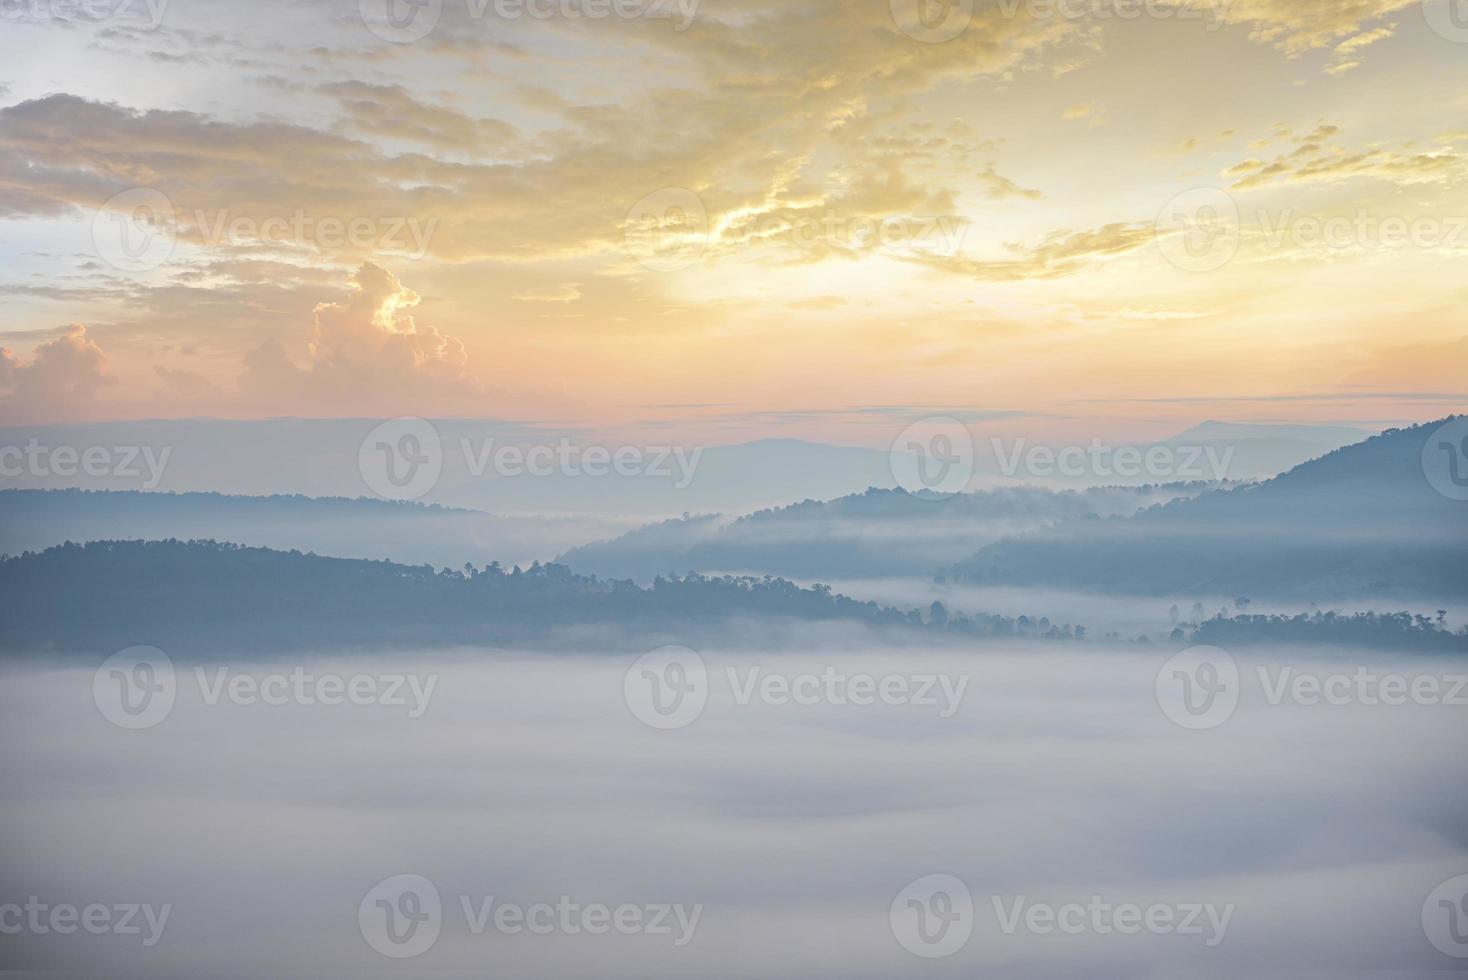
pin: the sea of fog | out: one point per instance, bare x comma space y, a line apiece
836, 813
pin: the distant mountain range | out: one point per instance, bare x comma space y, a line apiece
876, 534
323, 458
33, 520
1362, 521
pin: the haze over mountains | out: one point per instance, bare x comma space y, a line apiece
874, 534
1358, 522
414, 534
670, 476
1361, 521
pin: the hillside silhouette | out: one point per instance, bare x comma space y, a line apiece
875, 534
207, 597
1360, 521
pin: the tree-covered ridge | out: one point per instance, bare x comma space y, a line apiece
1407, 631
875, 534
1359, 522
207, 596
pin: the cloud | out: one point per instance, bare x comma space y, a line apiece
564, 292
999, 187
1346, 52
62, 377
391, 111
1315, 158
368, 355
1060, 253
1298, 26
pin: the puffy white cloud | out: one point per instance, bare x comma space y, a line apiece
62, 376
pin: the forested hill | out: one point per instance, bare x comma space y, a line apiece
1364, 521
875, 534
206, 597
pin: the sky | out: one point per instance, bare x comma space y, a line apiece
735, 219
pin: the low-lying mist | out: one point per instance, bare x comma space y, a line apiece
781, 814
